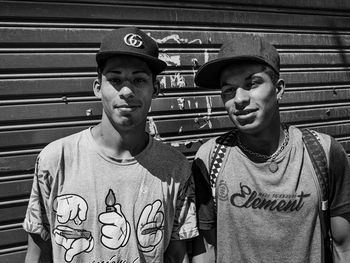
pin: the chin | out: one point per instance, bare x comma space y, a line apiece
249, 128
131, 125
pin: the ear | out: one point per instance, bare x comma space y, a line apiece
280, 87
97, 88
156, 89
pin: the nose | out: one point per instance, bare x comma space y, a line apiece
241, 98
126, 91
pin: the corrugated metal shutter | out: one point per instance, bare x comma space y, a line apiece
47, 67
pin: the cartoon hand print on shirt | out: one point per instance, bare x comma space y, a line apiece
115, 229
75, 241
150, 227
70, 207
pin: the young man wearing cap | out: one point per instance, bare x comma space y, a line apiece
112, 193
262, 205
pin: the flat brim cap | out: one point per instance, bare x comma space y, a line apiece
234, 51
131, 41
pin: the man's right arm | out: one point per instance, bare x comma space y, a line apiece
38, 250
203, 246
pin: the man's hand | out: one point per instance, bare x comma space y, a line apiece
70, 207
115, 229
74, 241
150, 227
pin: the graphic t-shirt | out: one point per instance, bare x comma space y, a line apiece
98, 209
265, 217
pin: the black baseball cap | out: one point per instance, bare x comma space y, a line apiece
237, 49
131, 41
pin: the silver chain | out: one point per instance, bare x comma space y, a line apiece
263, 156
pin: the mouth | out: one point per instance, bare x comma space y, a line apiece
244, 113
127, 107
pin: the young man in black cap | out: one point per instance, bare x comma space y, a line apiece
259, 198
112, 193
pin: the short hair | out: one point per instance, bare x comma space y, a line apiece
99, 72
101, 66
274, 76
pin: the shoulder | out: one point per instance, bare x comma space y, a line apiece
323, 138
337, 153
167, 156
206, 150
334, 151
168, 161
168, 151
54, 151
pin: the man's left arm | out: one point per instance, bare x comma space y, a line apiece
340, 226
340, 202
176, 252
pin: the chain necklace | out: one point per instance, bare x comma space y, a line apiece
273, 166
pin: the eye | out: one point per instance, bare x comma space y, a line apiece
227, 90
140, 80
115, 81
254, 83
250, 85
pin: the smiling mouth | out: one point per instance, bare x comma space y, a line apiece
243, 113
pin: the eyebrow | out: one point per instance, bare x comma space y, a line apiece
246, 79
252, 76
134, 72
225, 84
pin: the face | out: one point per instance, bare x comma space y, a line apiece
126, 90
250, 97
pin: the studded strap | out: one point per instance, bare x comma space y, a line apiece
219, 153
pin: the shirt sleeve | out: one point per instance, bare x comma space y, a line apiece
204, 200
36, 221
339, 169
185, 222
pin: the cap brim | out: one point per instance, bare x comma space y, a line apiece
156, 65
208, 75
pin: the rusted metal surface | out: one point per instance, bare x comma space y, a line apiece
179, 15
47, 67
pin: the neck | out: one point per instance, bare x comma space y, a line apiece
266, 142
120, 144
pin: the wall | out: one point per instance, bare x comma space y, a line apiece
47, 66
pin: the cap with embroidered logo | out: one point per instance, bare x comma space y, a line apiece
131, 41
237, 49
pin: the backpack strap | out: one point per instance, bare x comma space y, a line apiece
319, 162
219, 152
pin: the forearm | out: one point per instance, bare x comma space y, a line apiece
341, 238
32, 257
39, 251
171, 258
206, 257
176, 252
204, 247
341, 254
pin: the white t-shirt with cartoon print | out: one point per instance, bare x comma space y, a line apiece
97, 209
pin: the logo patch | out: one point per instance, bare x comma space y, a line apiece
223, 191
133, 40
